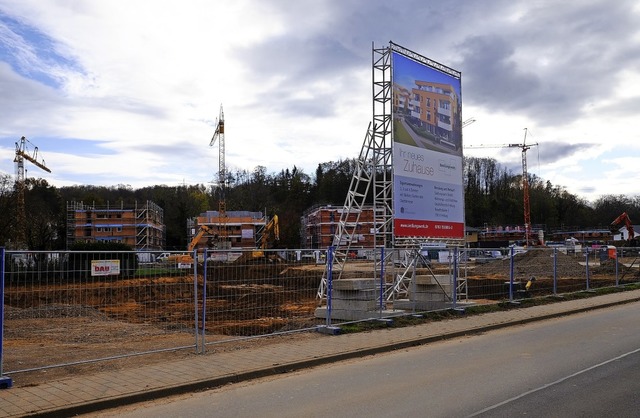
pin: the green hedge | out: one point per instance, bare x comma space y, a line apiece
77, 264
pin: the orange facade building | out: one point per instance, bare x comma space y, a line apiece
320, 223
238, 229
140, 225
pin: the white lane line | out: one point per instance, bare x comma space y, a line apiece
522, 395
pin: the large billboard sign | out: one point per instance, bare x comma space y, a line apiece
428, 193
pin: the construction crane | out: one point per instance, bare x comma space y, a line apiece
222, 177
23, 153
524, 147
468, 122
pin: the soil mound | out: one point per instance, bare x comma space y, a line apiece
533, 263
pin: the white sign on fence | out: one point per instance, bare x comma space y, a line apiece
105, 267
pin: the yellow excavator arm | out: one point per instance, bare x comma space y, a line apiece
203, 230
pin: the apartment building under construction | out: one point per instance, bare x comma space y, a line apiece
320, 223
139, 225
236, 229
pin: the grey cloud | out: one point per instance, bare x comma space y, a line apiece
550, 152
297, 65
584, 47
336, 52
625, 107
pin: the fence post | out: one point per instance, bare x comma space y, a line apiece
587, 266
329, 283
555, 271
511, 254
616, 263
204, 303
195, 304
414, 285
5, 381
455, 277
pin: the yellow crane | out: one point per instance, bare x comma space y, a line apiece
22, 154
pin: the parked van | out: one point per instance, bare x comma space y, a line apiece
431, 250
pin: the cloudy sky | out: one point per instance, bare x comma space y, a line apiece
128, 91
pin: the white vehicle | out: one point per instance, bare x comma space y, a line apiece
434, 251
163, 257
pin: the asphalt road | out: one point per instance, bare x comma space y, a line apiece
581, 365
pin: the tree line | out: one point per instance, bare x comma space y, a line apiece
493, 196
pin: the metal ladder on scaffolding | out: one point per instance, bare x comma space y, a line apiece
354, 202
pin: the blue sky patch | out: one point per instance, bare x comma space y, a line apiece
32, 53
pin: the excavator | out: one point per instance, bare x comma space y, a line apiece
631, 240
186, 258
621, 220
270, 234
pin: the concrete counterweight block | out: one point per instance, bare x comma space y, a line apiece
427, 292
353, 299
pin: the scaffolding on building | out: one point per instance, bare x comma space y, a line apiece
139, 225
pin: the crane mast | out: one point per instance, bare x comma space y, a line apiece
525, 188
22, 154
524, 147
218, 135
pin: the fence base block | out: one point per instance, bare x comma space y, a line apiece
352, 315
330, 330
5, 382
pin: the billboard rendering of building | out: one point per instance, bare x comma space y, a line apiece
428, 196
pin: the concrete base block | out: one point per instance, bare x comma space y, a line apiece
427, 296
354, 305
369, 294
349, 315
428, 279
353, 284
409, 305
323, 329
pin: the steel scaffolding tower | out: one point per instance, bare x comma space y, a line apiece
374, 167
375, 170
382, 150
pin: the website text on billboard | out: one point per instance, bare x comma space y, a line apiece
427, 148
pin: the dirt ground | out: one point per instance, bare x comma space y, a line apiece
541, 263
38, 342
70, 323
52, 326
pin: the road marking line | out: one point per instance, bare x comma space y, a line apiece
522, 395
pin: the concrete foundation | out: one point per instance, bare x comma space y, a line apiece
352, 300
357, 299
427, 293
353, 315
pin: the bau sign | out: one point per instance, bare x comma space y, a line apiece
105, 267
